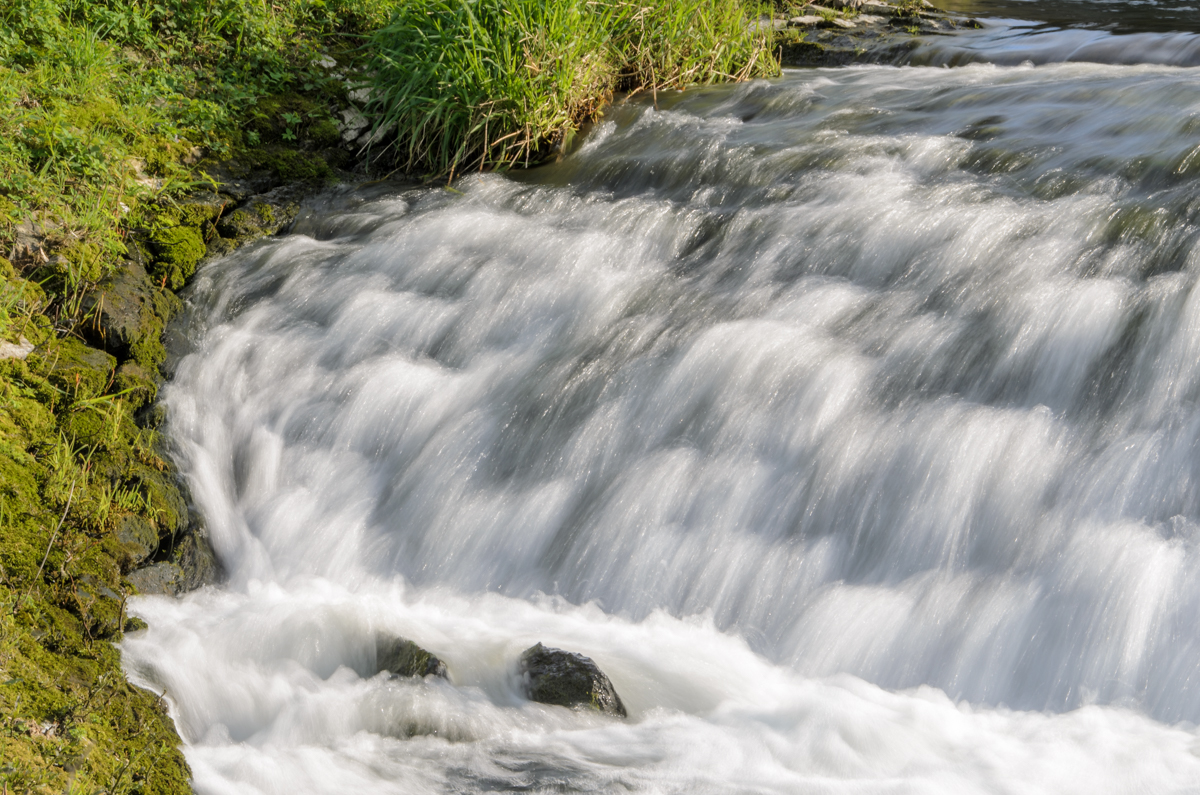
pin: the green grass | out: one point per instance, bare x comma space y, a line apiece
495, 83
103, 99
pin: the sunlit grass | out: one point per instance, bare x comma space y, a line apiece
492, 83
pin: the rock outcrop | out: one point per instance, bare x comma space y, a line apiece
402, 657
554, 676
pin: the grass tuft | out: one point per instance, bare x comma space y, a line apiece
468, 84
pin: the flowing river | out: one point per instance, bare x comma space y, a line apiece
850, 421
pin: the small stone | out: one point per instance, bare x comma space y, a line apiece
352, 124
869, 19
768, 23
554, 676
360, 95
402, 657
820, 9
806, 21
325, 62
16, 350
845, 24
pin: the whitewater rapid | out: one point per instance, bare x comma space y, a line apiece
849, 421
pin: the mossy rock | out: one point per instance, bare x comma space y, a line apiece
324, 132
170, 238
270, 119
402, 657
293, 165
78, 370
138, 386
566, 679
177, 252
167, 506
138, 539
161, 579
261, 216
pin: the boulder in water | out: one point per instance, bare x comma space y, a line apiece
402, 657
554, 676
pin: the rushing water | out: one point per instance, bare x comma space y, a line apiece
850, 421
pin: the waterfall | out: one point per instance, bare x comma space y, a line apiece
849, 421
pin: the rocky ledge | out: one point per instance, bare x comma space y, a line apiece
840, 32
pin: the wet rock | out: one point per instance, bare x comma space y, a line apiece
554, 676
158, 579
238, 182
262, 215
806, 21
196, 561
845, 24
191, 564
402, 657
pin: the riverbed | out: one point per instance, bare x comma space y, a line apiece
849, 421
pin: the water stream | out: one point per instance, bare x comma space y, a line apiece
850, 421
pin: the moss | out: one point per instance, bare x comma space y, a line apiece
295, 166
138, 386
68, 719
177, 249
276, 117
324, 132
77, 371
165, 505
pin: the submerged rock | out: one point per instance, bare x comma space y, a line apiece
402, 657
554, 676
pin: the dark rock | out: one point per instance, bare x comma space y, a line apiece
197, 562
191, 565
402, 657
554, 676
161, 579
127, 314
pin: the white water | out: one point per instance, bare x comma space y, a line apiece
849, 422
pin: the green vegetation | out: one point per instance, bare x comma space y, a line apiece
490, 83
76, 473
114, 114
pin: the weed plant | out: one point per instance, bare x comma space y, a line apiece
495, 83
